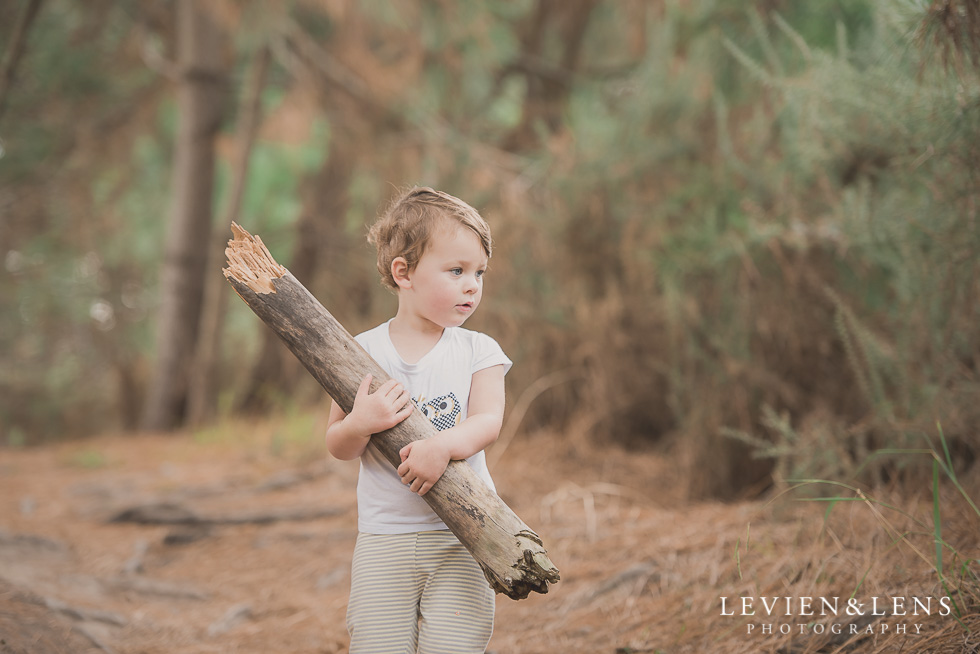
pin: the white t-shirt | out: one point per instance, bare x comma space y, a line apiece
439, 383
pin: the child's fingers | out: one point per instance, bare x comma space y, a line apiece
365, 384
403, 400
388, 387
401, 414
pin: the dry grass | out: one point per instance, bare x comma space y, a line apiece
642, 569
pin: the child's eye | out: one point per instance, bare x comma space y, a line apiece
456, 271
480, 273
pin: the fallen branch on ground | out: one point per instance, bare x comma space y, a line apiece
177, 514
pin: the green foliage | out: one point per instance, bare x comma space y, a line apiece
755, 232
959, 577
272, 201
900, 208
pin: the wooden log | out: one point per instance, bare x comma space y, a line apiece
512, 556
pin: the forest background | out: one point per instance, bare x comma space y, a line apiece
743, 231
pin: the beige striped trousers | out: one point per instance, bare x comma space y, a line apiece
419, 592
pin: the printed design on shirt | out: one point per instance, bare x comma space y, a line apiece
443, 412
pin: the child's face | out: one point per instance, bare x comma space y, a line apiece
447, 283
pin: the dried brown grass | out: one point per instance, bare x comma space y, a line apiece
644, 570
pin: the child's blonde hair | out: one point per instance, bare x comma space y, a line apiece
406, 228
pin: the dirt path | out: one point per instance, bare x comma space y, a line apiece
242, 543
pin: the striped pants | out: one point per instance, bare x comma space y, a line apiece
419, 592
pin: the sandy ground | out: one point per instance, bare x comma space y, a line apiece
268, 568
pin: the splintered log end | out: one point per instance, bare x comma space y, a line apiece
250, 262
532, 572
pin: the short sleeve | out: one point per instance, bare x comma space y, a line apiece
488, 353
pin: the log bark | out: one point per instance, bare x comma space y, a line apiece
512, 556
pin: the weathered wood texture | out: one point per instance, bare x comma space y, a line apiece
512, 556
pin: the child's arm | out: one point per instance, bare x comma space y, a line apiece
348, 434
424, 461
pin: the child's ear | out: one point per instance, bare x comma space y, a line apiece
400, 272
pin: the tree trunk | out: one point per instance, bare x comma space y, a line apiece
548, 84
200, 98
512, 556
202, 394
11, 59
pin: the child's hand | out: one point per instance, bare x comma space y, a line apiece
423, 462
382, 409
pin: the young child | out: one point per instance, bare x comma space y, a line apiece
414, 587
